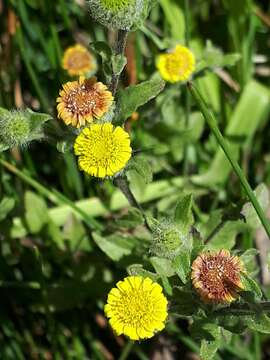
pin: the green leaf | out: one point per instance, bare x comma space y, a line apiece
6, 205
260, 323
132, 97
214, 58
183, 216
132, 219
250, 286
36, 212
142, 167
114, 246
102, 49
118, 63
75, 235
181, 264
164, 269
248, 211
37, 119
210, 336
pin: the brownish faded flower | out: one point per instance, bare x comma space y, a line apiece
216, 276
81, 101
77, 60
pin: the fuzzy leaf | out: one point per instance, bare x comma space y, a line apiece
142, 167
183, 216
36, 215
134, 96
114, 246
6, 205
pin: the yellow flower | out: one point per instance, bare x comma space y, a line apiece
102, 149
177, 65
136, 308
81, 101
217, 276
77, 60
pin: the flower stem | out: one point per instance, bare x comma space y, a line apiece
119, 50
122, 183
212, 123
244, 309
126, 350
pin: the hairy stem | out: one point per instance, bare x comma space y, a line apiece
119, 50
212, 123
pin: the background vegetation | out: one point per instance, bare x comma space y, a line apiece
62, 266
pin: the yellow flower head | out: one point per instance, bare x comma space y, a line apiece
136, 308
81, 101
102, 149
177, 65
217, 276
77, 60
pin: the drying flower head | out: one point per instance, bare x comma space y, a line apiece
102, 149
118, 14
217, 276
136, 308
82, 101
177, 65
77, 60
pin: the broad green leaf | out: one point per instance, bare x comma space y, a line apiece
118, 63
260, 323
251, 287
181, 264
114, 246
6, 205
183, 216
175, 17
36, 212
248, 211
134, 96
210, 336
102, 49
142, 167
164, 270
132, 219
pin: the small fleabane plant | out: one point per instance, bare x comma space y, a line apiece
20, 127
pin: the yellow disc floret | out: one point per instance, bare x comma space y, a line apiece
102, 149
177, 65
77, 60
136, 308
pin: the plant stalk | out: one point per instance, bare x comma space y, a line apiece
212, 123
119, 50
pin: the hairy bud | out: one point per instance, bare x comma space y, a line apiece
19, 127
119, 14
167, 240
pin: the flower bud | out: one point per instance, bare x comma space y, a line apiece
119, 14
167, 240
19, 127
